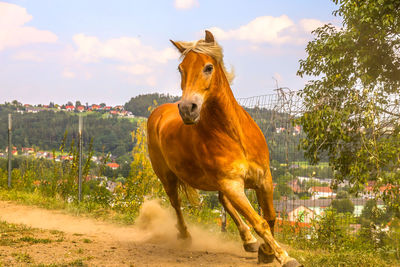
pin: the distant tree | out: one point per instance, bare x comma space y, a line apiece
69, 103
284, 190
374, 214
343, 205
102, 105
78, 103
139, 105
16, 103
342, 195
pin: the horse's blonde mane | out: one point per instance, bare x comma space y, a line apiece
212, 49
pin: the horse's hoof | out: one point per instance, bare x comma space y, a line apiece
251, 247
265, 254
292, 263
187, 239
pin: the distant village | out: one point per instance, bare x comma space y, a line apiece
116, 110
30, 152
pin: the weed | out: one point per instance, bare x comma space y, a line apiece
22, 257
32, 240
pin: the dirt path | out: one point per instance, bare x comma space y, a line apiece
63, 239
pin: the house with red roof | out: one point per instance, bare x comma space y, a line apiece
113, 165
95, 107
321, 192
80, 108
70, 108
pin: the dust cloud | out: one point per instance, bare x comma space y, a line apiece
157, 224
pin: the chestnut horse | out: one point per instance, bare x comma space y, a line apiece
209, 142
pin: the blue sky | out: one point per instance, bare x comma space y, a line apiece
109, 51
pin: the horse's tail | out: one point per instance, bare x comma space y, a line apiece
191, 194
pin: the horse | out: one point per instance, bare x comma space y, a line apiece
207, 141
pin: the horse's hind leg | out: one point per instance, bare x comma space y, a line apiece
170, 184
234, 191
249, 241
265, 199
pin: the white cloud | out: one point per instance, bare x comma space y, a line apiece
136, 69
123, 49
185, 4
271, 30
68, 74
308, 25
130, 54
13, 32
28, 56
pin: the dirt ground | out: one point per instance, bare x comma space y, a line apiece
39, 237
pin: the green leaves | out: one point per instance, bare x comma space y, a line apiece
350, 107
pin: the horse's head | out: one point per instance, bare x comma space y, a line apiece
200, 64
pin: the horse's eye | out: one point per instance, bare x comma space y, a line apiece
208, 68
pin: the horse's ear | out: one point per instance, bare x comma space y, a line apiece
178, 46
209, 37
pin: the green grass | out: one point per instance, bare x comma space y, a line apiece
22, 257
305, 164
349, 258
77, 209
32, 240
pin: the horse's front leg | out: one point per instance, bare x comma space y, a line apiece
170, 183
250, 243
234, 191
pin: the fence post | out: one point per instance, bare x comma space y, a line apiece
80, 160
9, 149
223, 220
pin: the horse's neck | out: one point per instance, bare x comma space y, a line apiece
222, 112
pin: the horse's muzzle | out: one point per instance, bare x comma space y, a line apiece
189, 111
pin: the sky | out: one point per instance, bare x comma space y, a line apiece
109, 51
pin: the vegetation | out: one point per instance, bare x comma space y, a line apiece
330, 241
139, 105
352, 103
45, 130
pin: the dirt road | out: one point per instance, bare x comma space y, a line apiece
61, 239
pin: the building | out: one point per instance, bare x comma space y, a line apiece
321, 192
293, 212
27, 151
80, 108
70, 108
113, 165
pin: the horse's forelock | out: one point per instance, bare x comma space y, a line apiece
213, 50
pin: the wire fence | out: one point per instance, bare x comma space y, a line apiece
302, 192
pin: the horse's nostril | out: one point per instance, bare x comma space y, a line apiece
194, 107
179, 105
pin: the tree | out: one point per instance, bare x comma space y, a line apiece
342, 195
284, 190
374, 214
352, 105
139, 105
343, 205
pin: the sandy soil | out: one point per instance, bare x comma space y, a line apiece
77, 241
